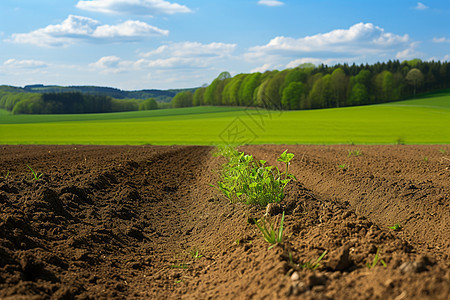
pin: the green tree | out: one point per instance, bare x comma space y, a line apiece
248, 87
415, 78
293, 95
182, 99
198, 98
359, 95
149, 104
339, 83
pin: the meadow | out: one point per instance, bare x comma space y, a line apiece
425, 120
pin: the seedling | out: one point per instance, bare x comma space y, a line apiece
375, 261
178, 281
425, 159
238, 241
271, 235
396, 227
196, 254
35, 175
6, 176
182, 266
354, 153
315, 265
343, 167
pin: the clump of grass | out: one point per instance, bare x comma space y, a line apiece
354, 153
343, 167
196, 254
35, 175
270, 233
250, 181
375, 261
396, 227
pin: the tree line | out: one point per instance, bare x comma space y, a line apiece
310, 87
69, 103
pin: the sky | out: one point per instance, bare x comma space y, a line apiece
164, 44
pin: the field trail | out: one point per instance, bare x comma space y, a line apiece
143, 222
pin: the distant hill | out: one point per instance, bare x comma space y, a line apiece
159, 95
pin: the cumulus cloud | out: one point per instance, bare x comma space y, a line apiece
441, 40
270, 2
76, 28
421, 6
134, 7
185, 55
359, 38
24, 64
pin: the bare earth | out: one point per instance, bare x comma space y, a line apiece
142, 222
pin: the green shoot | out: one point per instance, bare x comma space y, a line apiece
182, 266
396, 227
315, 265
354, 153
425, 159
35, 175
178, 281
343, 167
238, 241
271, 235
196, 254
376, 259
6, 176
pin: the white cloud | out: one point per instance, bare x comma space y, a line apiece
421, 6
359, 38
446, 57
76, 28
441, 40
134, 7
314, 61
185, 55
262, 68
24, 64
270, 2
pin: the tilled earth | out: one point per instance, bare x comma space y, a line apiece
143, 222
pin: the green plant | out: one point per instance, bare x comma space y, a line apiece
396, 227
376, 259
6, 176
250, 181
196, 254
270, 233
425, 159
181, 266
315, 265
354, 153
343, 167
35, 175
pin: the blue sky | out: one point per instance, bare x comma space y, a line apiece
143, 44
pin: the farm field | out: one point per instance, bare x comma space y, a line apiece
143, 222
421, 121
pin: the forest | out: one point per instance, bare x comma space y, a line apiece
304, 87
310, 87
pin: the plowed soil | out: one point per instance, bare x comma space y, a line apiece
143, 222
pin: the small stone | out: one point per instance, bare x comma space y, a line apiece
295, 276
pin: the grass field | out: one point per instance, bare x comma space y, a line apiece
425, 120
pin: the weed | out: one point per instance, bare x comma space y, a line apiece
376, 259
6, 176
396, 227
35, 175
178, 281
425, 159
244, 179
271, 235
238, 241
354, 153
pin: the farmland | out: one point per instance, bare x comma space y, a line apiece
421, 121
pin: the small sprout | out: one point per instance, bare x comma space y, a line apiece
196, 254
35, 175
396, 227
270, 234
343, 167
178, 281
425, 159
182, 266
354, 153
316, 264
376, 259
6, 176
238, 241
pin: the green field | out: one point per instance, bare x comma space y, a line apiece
422, 121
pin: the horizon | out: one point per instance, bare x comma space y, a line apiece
156, 44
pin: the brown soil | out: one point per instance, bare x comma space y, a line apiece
127, 222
